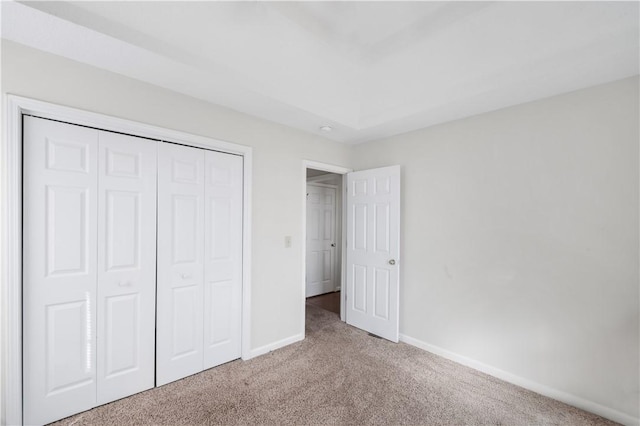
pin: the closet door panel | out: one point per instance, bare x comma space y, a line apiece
59, 269
180, 262
126, 265
223, 258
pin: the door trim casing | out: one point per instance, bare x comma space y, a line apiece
329, 168
11, 225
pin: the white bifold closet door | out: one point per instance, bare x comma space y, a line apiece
89, 268
199, 260
126, 265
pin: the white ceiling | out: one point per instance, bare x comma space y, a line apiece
368, 69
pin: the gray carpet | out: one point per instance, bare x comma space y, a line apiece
338, 375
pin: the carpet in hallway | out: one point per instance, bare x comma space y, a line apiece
338, 375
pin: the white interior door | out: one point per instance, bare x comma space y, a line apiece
179, 345
373, 251
321, 240
223, 258
59, 269
126, 265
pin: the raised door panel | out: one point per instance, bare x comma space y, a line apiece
59, 269
66, 225
223, 258
186, 322
122, 229
68, 361
180, 292
185, 210
126, 265
358, 293
122, 337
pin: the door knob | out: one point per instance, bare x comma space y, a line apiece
185, 276
124, 283
333, 244
392, 262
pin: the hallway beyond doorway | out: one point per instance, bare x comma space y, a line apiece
327, 301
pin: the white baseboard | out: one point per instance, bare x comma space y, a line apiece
273, 346
567, 398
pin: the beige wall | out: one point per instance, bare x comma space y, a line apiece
278, 152
520, 244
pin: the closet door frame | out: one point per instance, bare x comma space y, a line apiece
11, 397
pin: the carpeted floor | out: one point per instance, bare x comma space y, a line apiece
338, 375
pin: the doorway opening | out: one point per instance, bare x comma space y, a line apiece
370, 272
323, 254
